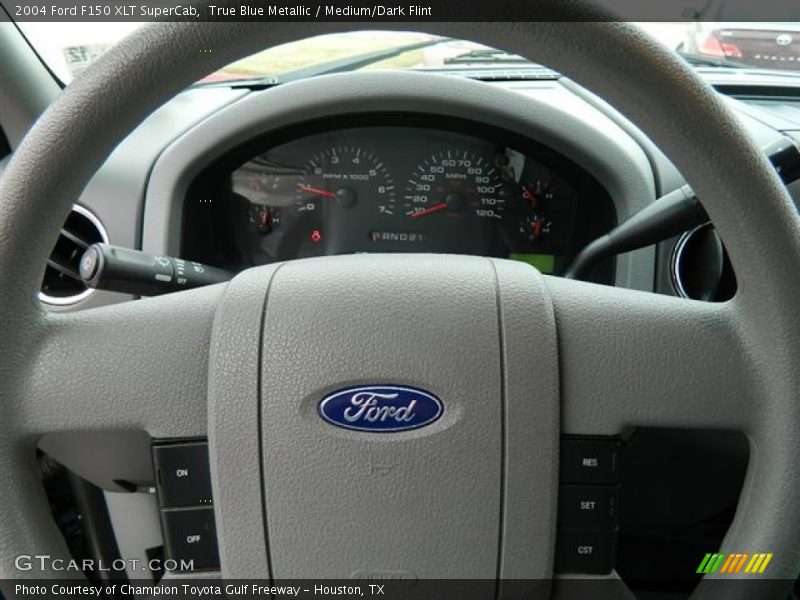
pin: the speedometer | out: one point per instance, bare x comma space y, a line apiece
455, 183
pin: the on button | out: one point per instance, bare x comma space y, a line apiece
182, 474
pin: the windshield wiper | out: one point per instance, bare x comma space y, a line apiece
339, 65
485, 55
698, 60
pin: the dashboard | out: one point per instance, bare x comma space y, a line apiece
393, 183
169, 187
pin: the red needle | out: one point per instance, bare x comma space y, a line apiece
317, 191
432, 209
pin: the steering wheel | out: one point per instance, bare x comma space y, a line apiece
514, 356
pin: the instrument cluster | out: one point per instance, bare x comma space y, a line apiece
406, 188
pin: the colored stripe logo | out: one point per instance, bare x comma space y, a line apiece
735, 562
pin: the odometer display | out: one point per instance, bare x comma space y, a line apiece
455, 183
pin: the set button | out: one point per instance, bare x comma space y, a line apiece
588, 507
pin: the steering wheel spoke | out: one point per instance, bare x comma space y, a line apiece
134, 367
138, 365
631, 358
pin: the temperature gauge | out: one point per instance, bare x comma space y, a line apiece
537, 194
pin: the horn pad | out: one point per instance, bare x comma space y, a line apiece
407, 420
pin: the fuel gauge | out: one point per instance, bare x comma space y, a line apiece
535, 227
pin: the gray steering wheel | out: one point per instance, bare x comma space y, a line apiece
515, 357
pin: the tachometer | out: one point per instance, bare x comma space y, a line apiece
455, 183
345, 175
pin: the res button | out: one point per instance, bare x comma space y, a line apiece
589, 460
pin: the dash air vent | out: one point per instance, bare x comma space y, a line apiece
62, 282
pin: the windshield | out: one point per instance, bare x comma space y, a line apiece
756, 46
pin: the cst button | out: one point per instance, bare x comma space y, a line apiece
585, 552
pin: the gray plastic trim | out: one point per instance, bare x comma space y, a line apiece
531, 423
33, 88
545, 112
103, 457
135, 520
234, 431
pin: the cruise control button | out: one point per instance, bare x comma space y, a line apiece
190, 537
585, 552
182, 474
588, 507
589, 461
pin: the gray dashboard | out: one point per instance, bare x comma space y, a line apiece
552, 116
138, 193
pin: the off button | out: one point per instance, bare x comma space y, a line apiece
191, 538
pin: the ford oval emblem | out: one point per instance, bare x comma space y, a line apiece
381, 408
